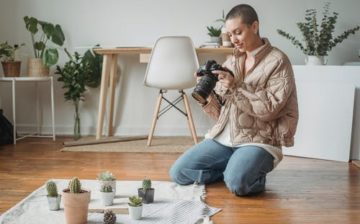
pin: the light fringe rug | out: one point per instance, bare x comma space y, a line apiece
159, 145
172, 204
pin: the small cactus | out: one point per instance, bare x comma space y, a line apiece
135, 201
51, 189
106, 188
109, 217
106, 176
146, 184
75, 185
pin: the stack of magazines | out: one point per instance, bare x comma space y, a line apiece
210, 45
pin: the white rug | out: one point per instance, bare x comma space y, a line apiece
172, 204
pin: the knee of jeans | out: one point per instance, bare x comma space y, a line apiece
238, 185
178, 177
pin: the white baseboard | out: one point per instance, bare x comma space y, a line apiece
119, 131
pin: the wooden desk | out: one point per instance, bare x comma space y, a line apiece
109, 71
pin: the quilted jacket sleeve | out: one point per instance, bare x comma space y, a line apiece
266, 103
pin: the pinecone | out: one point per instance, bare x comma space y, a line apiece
109, 217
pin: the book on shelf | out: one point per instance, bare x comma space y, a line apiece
210, 45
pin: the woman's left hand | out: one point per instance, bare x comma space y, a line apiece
225, 78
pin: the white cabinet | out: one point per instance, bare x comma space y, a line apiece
329, 121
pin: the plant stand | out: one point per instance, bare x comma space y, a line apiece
13, 81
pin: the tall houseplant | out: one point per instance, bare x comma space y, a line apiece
41, 34
78, 73
318, 38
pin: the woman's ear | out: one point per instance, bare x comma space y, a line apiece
255, 27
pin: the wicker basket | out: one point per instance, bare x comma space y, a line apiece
11, 68
36, 68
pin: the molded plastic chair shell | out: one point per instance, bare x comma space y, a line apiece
172, 64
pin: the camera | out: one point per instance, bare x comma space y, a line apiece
208, 81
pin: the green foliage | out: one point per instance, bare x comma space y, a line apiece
319, 41
146, 184
51, 189
79, 72
7, 51
75, 185
41, 33
135, 201
109, 217
73, 77
213, 32
106, 176
222, 19
106, 188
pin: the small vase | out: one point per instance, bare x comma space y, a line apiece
77, 133
315, 60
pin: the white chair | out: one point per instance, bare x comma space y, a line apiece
173, 62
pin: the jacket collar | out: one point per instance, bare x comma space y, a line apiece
258, 53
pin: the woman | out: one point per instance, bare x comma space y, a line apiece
256, 115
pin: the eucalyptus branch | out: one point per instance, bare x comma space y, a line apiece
319, 41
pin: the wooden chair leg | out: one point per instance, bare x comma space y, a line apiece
155, 118
189, 118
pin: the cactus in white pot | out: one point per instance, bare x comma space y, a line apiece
107, 195
135, 207
107, 178
53, 197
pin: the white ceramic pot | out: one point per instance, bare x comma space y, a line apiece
54, 203
315, 60
107, 198
214, 39
135, 212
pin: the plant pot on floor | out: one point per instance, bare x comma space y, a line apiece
107, 198
54, 202
135, 212
147, 195
76, 206
36, 68
11, 68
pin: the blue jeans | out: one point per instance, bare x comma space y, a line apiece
243, 169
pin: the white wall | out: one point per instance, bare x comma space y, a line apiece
139, 23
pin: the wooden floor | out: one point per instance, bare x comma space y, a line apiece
298, 191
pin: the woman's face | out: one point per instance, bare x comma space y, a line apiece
242, 35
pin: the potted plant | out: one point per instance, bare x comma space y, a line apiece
135, 207
10, 65
43, 33
107, 178
52, 196
109, 217
76, 202
225, 38
78, 73
107, 195
146, 192
319, 41
214, 33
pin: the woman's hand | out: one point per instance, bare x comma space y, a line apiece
225, 78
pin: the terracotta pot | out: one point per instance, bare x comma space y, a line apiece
76, 206
11, 68
36, 68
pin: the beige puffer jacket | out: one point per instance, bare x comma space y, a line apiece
262, 108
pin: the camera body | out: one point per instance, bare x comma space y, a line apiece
208, 81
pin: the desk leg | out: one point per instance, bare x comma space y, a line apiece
102, 100
52, 106
14, 108
113, 73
